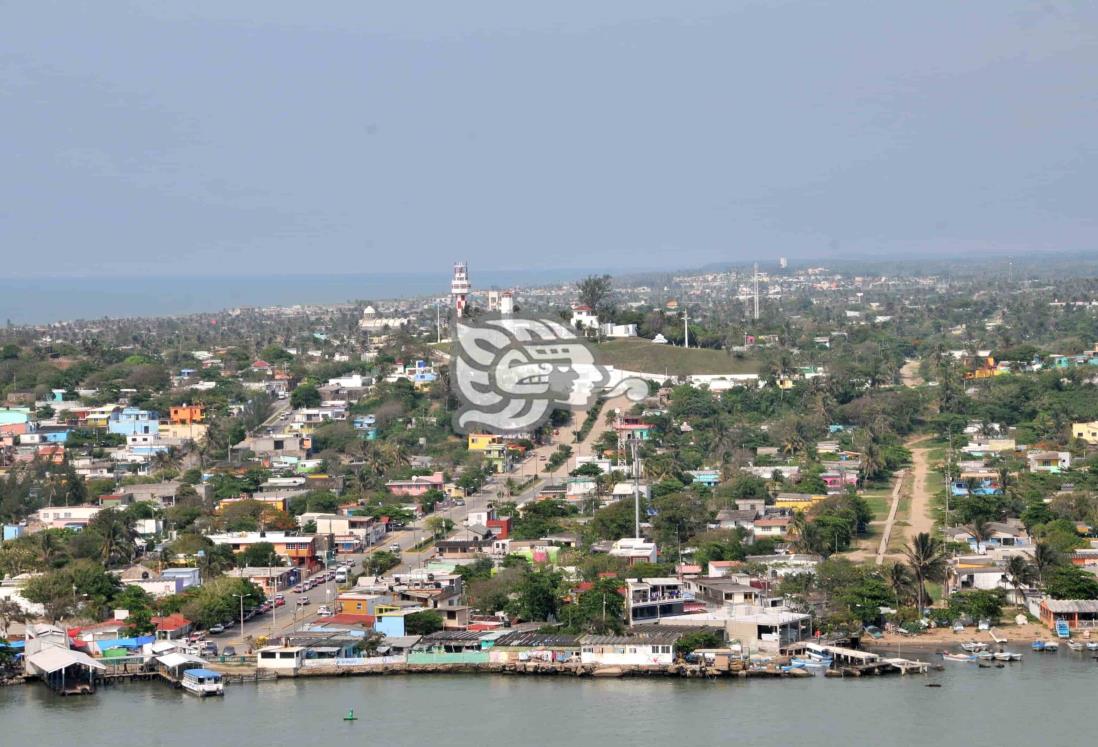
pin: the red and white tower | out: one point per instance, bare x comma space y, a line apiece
459, 287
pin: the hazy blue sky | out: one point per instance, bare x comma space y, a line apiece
231, 136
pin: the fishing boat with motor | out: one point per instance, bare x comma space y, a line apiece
947, 656
973, 647
811, 663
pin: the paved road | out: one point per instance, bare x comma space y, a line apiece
286, 619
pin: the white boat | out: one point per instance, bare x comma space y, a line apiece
1092, 645
958, 657
984, 655
973, 646
1007, 656
203, 682
810, 663
1075, 645
1052, 645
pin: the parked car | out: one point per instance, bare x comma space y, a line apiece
217, 629
394, 548
324, 611
459, 501
228, 651
302, 601
299, 588
209, 648
280, 601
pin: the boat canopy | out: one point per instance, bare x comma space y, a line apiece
207, 674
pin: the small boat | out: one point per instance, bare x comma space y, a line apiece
810, 663
202, 682
984, 655
958, 657
973, 646
1003, 656
1075, 645
1092, 645
1038, 646
1052, 646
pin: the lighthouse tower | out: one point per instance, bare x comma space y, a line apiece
459, 287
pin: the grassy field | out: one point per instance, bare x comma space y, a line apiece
647, 357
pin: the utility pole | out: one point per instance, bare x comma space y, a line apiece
636, 490
685, 328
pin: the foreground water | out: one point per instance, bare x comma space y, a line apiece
1046, 700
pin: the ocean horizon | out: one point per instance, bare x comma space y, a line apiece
46, 299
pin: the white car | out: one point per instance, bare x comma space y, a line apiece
394, 548
324, 611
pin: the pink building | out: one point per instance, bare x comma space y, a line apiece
838, 481
416, 486
62, 517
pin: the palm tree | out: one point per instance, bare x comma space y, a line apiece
980, 531
927, 558
900, 581
1020, 572
1045, 558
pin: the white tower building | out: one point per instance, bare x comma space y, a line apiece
459, 287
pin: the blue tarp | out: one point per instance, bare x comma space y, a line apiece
15, 644
208, 673
125, 642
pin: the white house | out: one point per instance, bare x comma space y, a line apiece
654, 649
281, 658
584, 317
635, 550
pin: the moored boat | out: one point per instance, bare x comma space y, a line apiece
946, 656
1092, 645
1038, 646
1075, 645
973, 646
203, 682
1052, 646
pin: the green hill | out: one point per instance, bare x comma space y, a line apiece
647, 357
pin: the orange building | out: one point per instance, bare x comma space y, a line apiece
187, 414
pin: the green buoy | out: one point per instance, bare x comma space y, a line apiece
350, 716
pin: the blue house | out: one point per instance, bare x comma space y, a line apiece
959, 488
133, 421
710, 478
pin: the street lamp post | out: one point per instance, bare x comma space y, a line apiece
241, 598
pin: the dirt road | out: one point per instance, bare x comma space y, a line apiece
909, 373
922, 517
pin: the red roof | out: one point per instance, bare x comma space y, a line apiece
174, 621
260, 364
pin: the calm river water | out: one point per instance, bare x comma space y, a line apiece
1046, 700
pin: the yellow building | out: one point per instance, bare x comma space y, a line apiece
1085, 431
798, 501
483, 441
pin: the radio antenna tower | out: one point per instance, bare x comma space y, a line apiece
756, 279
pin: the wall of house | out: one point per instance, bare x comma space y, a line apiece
646, 655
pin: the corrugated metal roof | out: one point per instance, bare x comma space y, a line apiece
1071, 605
